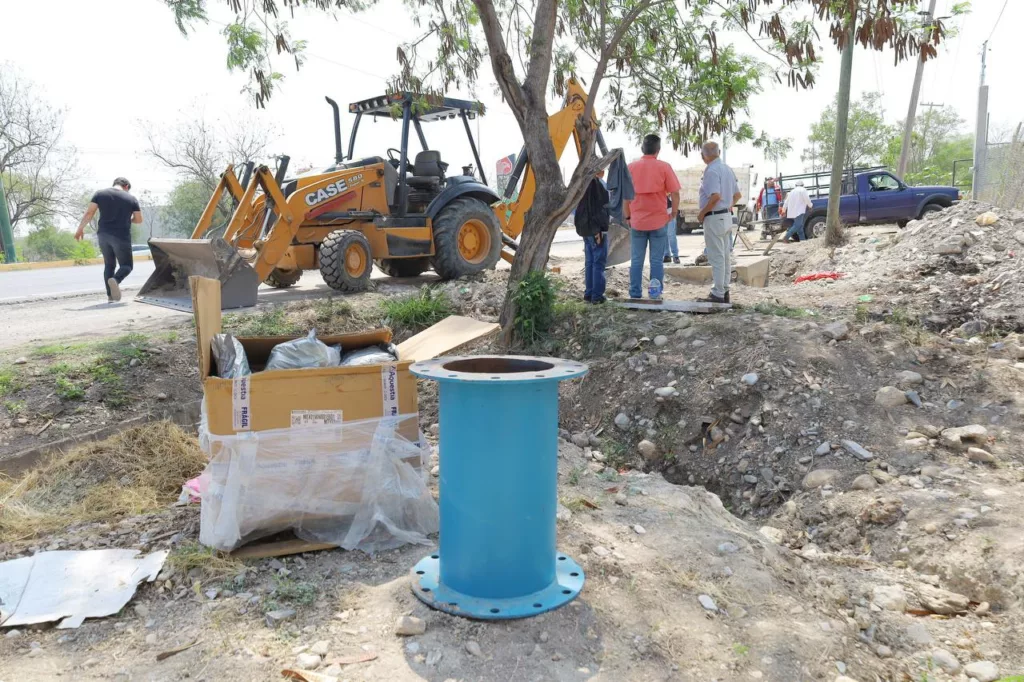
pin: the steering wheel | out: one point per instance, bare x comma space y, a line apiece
394, 154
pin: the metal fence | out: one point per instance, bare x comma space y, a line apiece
1001, 181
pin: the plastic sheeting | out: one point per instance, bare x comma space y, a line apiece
374, 355
358, 485
304, 353
230, 357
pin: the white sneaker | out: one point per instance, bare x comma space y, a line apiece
115, 289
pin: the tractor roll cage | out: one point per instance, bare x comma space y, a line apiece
415, 109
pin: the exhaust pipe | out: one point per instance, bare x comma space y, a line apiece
339, 155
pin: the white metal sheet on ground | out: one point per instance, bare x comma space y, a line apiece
72, 586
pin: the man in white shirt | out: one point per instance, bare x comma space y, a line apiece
718, 194
798, 202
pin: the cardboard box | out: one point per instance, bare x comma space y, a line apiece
282, 398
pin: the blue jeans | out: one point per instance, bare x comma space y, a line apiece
670, 234
639, 242
771, 211
595, 257
797, 228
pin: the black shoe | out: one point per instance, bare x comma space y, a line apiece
711, 298
667, 259
587, 300
675, 259
598, 301
726, 297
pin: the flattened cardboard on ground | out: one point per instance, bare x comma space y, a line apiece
72, 586
272, 400
444, 337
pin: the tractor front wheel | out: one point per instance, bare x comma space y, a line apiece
345, 261
282, 279
467, 239
403, 267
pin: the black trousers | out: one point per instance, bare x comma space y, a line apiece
117, 253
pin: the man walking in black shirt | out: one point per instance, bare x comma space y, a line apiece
118, 210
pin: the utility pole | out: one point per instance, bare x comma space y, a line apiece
981, 129
833, 228
6, 233
908, 126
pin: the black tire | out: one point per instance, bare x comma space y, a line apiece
814, 227
345, 261
403, 267
931, 208
448, 260
282, 279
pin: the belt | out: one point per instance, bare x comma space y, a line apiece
719, 212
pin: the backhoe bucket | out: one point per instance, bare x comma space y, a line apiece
178, 259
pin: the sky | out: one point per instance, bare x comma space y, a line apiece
116, 67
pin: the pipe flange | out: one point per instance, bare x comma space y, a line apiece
426, 585
498, 369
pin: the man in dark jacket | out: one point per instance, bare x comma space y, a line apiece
591, 222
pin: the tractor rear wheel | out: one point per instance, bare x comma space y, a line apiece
467, 239
345, 261
282, 279
403, 267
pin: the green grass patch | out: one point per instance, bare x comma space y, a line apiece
534, 299
14, 407
781, 310
290, 591
102, 363
172, 336
213, 564
417, 311
53, 350
272, 322
67, 389
10, 381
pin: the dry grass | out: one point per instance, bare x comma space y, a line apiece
212, 563
136, 471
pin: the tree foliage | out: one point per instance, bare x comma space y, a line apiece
938, 139
774, 149
866, 140
38, 169
46, 243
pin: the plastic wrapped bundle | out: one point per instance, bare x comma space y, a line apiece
358, 485
230, 357
307, 352
374, 355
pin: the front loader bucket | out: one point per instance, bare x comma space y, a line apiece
618, 244
178, 259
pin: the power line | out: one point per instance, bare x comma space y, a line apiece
1005, 3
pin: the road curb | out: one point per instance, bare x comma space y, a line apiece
16, 267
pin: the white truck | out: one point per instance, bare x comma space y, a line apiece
689, 181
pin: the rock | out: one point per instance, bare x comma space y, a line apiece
563, 513
698, 343
622, 421
950, 247
823, 449
883, 651
630, 343
941, 658
708, 603
306, 661
941, 601
776, 535
954, 404
857, 450
837, 331
889, 598
728, 548
275, 618
647, 449
473, 649
580, 440
21, 361
750, 480
819, 478
639, 530
141, 610
321, 648
621, 499
973, 328
979, 455
882, 477
717, 435
660, 340
983, 671
666, 392
22, 421
958, 437
915, 398
600, 551
543, 637
749, 379
890, 396
212, 593
433, 657
161, 396
410, 626
151, 639
908, 378
918, 634
983, 609
435, 470
864, 482
13, 633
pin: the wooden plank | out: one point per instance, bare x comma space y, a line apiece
673, 306
445, 336
281, 548
746, 242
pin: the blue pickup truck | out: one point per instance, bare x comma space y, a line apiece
870, 196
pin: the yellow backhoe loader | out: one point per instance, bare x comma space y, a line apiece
404, 216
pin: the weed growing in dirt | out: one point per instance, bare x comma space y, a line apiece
861, 314
266, 323
616, 454
781, 310
68, 390
293, 591
58, 349
172, 336
10, 382
101, 363
574, 476
534, 299
14, 407
417, 311
328, 309
740, 649
213, 564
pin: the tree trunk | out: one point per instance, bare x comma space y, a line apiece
833, 225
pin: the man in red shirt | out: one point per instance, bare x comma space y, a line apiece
653, 180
